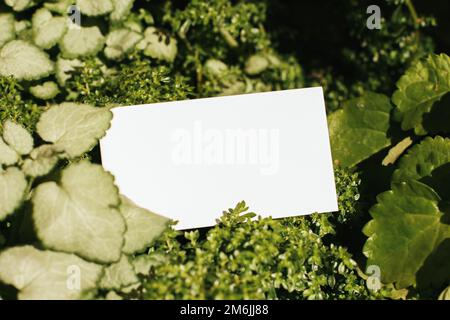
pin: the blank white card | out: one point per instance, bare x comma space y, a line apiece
190, 160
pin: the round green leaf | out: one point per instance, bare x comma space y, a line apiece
119, 275
17, 137
143, 263
119, 42
12, 185
19, 5
64, 68
46, 91
24, 61
79, 42
42, 160
143, 226
47, 30
422, 85
359, 130
215, 67
445, 295
256, 64
47, 275
74, 128
95, 8
59, 6
78, 214
121, 9
406, 229
7, 154
158, 45
7, 25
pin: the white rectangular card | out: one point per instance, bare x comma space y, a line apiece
190, 160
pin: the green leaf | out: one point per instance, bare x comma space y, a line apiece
19, 5
95, 8
7, 154
46, 91
7, 25
42, 160
143, 263
47, 30
119, 42
78, 214
121, 9
118, 275
17, 137
47, 275
428, 162
158, 45
74, 128
215, 67
406, 229
445, 295
359, 130
422, 85
80, 42
143, 226
256, 64
59, 6
24, 61
12, 185
64, 68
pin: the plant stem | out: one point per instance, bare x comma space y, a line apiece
413, 11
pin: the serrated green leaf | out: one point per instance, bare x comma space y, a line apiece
359, 130
143, 226
7, 154
19, 5
42, 160
7, 25
64, 68
119, 42
24, 61
78, 214
406, 228
46, 91
256, 64
158, 45
74, 128
121, 9
422, 85
80, 42
95, 7
47, 30
428, 162
47, 275
118, 275
12, 191
17, 137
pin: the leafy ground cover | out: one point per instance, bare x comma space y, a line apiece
387, 97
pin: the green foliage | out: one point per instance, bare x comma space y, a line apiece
130, 52
359, 129
409, 234
245, 258
74, 214
423, 84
